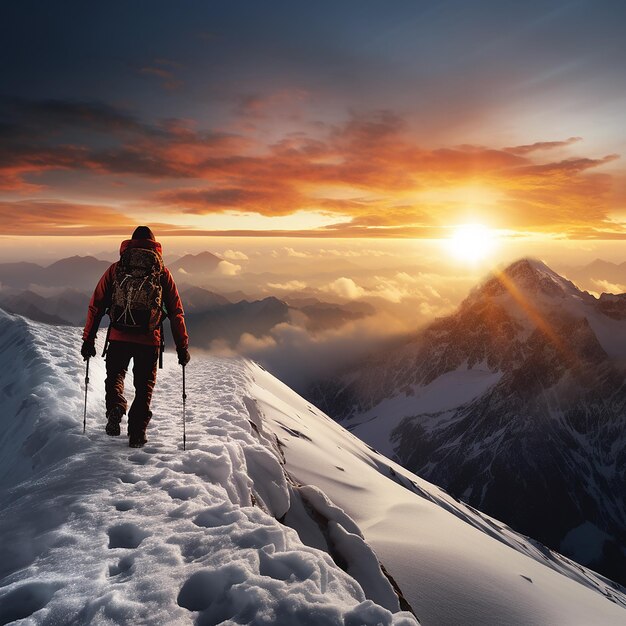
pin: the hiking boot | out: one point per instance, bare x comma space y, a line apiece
114, 417
137, 441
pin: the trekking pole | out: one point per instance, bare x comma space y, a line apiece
184, 420
86, 387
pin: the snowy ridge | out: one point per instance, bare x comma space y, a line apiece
95, 532
32, 436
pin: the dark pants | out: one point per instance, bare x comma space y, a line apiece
145, 359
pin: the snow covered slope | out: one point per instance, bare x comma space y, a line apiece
454, 564
521, 391
95, 532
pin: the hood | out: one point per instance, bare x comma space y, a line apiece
147, 244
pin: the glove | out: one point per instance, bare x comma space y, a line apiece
183, 356
88, 349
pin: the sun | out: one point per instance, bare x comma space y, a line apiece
471, 242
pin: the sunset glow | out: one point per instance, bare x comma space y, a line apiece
375, 128
472, 242
382, 131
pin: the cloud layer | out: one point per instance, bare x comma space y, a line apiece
369, 176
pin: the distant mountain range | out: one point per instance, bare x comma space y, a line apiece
515, 404
77, 272
69, 307
598, 275
322, 316
230, 321
195, 264
82, 272
210, 315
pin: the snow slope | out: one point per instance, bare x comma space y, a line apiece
454, 564
439, 397
95, 532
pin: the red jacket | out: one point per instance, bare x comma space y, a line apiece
101, 301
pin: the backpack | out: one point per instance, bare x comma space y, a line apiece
137, 294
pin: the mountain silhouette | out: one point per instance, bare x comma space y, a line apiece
202, 263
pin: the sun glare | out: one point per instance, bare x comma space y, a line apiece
471, 242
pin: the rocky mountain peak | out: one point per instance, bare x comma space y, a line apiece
527, 276
520, 391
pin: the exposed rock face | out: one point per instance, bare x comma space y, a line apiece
543, 446
613, 305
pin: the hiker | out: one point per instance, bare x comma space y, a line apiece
136, 292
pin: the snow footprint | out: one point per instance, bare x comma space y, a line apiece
201, 589
25, 600
123, 566
130, 478
139, 458
124, 505
126, 535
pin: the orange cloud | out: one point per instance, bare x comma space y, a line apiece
27, 217
542, 145
264, 199
386, 171
369, 175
